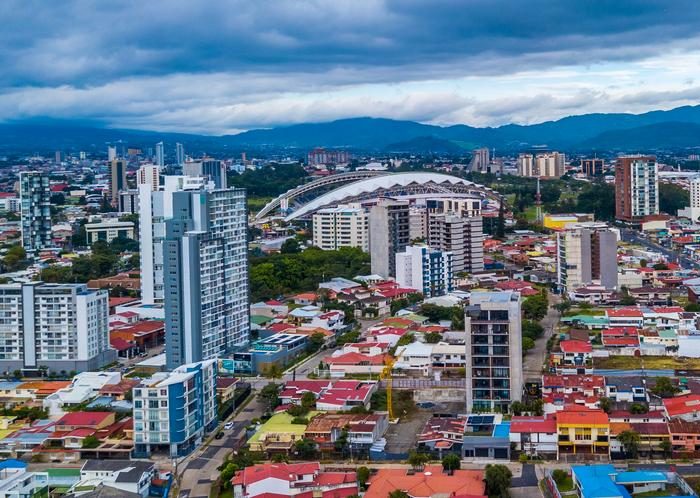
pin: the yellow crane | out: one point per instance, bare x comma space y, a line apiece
386, 376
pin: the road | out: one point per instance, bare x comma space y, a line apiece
634, 237
534, 359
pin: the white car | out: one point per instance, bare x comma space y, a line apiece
228, 426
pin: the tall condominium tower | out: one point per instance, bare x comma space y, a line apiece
35, 200
160, 154
389, 233
179, 154
586, 252
149, 174
494, 359
636, 187
205, 275
117, 179
211, 169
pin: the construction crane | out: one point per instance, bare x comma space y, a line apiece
386, 376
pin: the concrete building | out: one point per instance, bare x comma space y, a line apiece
320, 156
149, 174
179, 154
129, 201
160, 155
587, 253
425, 269
463, 237
465, 207
111, 152
211, 169
418, 223
60, 326
205, 271
35, 199
108, 231
636, 187
592, 167
494, 365
154, 208
480, 160
543, 165
388, 234
117, 179
341, 226
174, 410
693, 210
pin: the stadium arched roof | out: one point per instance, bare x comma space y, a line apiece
399, 185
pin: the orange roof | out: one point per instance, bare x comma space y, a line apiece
45, 386
582, 417
430, 482
618, 427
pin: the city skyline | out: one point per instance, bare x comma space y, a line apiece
246, 65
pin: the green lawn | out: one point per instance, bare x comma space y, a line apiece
648, 362
566, 486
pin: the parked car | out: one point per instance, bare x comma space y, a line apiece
228, 426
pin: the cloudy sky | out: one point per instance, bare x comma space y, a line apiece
226, 66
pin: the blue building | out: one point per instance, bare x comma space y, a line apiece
174, 410
272, 349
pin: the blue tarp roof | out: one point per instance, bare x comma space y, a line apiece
596, 481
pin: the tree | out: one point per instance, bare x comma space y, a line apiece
560, 476
418, 460
274, 371
605, 404
362, 476
528, 344
290, 246
398, 493
638, 408
316, 342
643, 263
308, 400
57, 199
660, 266
672, 198
692, 307
270, 395
563, 306
599, 199
531, 329
664, 388
451, 462
666, 447
630, 442
432, 337
305, 448
90, 442
405, 339
501, 223
498, 478
535, 307
15, 258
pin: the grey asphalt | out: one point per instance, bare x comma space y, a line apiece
527, 479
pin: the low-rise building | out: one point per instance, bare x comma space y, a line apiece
108, 231
583, 431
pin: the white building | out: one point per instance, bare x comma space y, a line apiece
109, 230
154, 208
463, 237
427, 270
389, 230
341, 226
693, 210
587, 253
129, 476
160, 155
149, 174
543, 165
173, 410
35, 198
11, 204
179, 154
59, 326
211, 169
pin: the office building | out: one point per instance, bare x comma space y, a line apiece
117, 179
592, 167
160, 155
636, 188
35, 200
388, 234
60, 326
693, 210
481, 158
148, 174
205, 275
586, 253
154, 208
341, 226
462, 237
108, 231
211, 169
129, 201
494, 360
179, 154
173, 411
111, 153
320, 156
544, 165
427, 270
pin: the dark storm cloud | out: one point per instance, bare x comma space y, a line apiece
84, 43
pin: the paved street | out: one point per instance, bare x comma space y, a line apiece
634, 237
532, 364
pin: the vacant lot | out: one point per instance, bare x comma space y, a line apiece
647, 362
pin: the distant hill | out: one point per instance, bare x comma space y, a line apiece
674, 129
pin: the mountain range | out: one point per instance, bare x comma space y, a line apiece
674, 129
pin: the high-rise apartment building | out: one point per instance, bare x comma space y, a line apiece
35, 200
111, 153
543, 165
494, 359
466, 207
480, 160
179, 154
160, 154
636, 187
693, 210
592, 167
418, 223
205, 275
211, 169
341, 226
148, 174
117, 179
427, 270
586, 253
389, 232
320, 156
59, 326
154, 208
462, 237
172, 411
129, 201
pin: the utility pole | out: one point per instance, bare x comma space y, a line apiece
538, 203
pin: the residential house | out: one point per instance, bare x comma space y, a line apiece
534, 435
631, 389
583, 431
427, 484
360, 430
129, 476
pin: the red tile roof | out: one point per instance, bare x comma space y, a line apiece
682, 405
573, 346
120, 344
570, 416
573, 381
355, 359
84, 419
525, 424
625, 313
